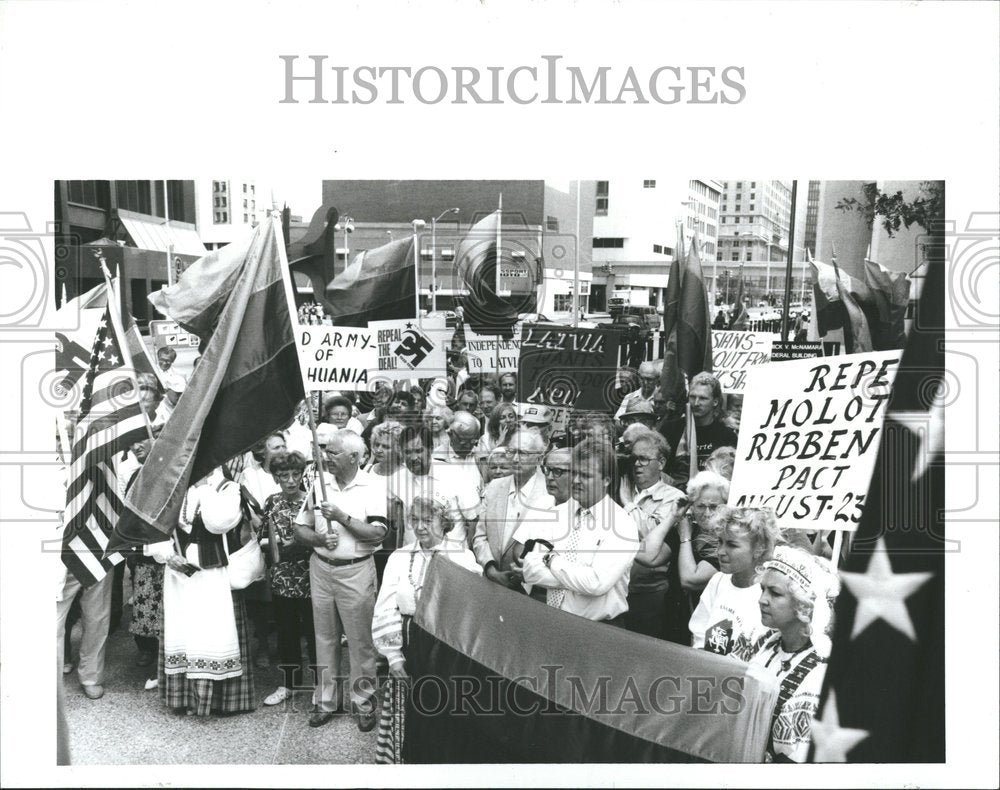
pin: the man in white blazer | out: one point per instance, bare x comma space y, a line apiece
509, 502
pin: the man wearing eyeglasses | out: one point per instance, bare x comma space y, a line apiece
507, 503
344, 531
647, 385
556, 471
594, 541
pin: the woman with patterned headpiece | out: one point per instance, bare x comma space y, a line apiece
796, 600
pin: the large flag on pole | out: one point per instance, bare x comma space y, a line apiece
857, 335
246, 384
890, 293
739, 319
687, 324
111, 420
884, 691
378, 285
476, 259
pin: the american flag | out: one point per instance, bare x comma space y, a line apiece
110, 421
883, 698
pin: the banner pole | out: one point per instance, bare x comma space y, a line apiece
838, 539
293, 317
788, 265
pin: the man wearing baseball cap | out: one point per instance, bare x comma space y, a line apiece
537, 418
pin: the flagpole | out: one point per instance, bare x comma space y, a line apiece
120, 336
286, 279
838, 539
576, 265
498, 260
788, 265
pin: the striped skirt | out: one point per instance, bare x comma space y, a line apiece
204, 697
392, 715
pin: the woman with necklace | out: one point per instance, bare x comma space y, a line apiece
797, 591
402, 584
727, 619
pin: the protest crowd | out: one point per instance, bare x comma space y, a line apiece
477, 479
320, 542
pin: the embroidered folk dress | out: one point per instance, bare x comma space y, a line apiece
800, 677
205, 664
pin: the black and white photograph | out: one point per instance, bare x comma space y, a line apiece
373, 452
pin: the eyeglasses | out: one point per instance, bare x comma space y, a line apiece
288, 476
553, 471
514, 453
642, 463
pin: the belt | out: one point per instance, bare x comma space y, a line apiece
340, 563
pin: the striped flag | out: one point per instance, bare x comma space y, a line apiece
739, 320
378, 285
110, 421
476, 261
884, 693
246, 385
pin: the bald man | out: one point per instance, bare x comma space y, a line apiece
648, 379
508, 502
344, 530
463, 435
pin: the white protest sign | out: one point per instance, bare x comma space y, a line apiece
410, 348
733, 353
481, 351
809, 435
336, 357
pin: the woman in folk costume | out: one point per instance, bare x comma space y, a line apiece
797, 594
402, 584
205, 662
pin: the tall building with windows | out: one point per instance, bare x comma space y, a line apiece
227, 206
754, 232
144, 230
546, 222
635, 234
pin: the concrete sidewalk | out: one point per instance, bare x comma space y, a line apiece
130, 726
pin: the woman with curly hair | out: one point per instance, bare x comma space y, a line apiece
385, 456
797, 591
438, 419
727, 620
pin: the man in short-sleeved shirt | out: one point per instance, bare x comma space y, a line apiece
344, 530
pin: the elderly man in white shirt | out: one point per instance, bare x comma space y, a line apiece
594, 541
344, 531
648, 379
507, 503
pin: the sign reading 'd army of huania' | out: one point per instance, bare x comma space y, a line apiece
336, 357
566, 368
809, 436
410, 348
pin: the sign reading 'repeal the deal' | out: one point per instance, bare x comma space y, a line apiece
733, 353
336, 357
566, 368
809, 436
410, 348
482, 352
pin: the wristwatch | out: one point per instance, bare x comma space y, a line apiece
547, 559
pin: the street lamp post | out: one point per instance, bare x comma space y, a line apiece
434, 254
418, 225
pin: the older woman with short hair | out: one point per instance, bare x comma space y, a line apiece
727, 620
402, 584
797, 591
438, 419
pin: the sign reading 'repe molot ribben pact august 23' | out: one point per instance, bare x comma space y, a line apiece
809, 436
